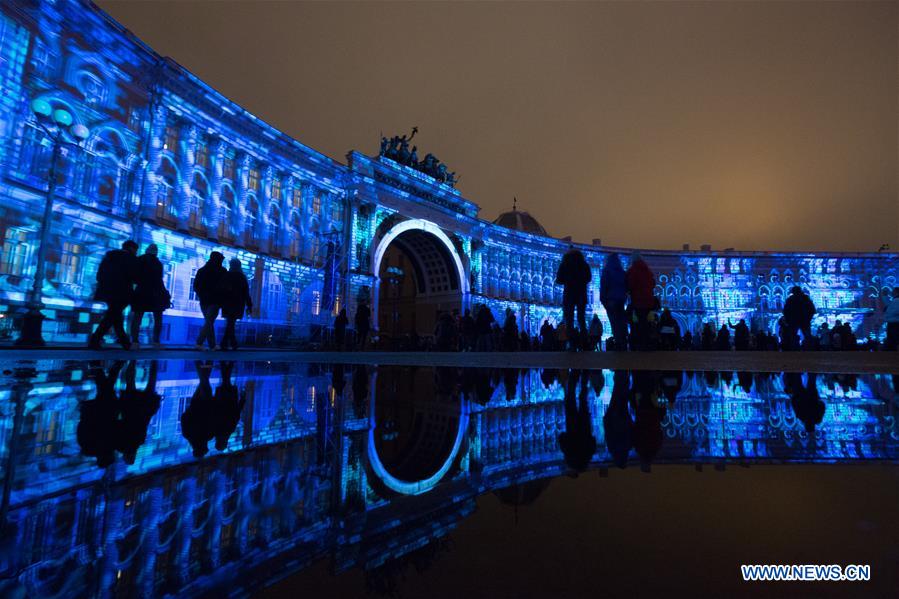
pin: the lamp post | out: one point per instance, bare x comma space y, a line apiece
59, 127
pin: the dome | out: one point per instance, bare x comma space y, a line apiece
520, 221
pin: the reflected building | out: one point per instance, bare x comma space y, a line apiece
312, 469
169, 160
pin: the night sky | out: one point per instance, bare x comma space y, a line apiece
755, 125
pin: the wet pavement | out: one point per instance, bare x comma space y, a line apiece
212, 477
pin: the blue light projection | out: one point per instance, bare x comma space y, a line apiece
313, 451
171, 161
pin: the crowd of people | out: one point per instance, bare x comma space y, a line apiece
636, 317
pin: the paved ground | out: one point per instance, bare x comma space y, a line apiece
879, 362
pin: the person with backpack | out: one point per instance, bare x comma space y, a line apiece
150, 295
115, 286
613, 295
209, 285
236, 301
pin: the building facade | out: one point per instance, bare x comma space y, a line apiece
169, 160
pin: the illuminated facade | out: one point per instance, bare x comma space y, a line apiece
171, 161
317, 457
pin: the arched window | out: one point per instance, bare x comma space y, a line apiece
166, 184
226, 214
199, 191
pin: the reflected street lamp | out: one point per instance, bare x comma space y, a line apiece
59, 126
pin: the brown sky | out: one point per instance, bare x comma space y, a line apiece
758, 125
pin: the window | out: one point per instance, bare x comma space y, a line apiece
296, 235
171, 139
252, 217
316, 205
227, 213
228, 168
253, 180
69, 270
274, 226
297, 201
336, 211
276, 188
202, 156
198, 194
165, 190
14, 254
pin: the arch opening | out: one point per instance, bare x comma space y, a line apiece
419, 276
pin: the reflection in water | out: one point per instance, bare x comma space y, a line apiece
231, 473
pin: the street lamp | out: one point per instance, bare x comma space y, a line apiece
59, 126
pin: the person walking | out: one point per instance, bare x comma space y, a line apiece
362, 322
741, 335
613, 295
340, 324
640, 285
891, 317
150, 295
209, 287
115, 287
574, 274
236, 301
798, 311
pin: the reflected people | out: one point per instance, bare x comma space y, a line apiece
617, 423
137, 409
99, 416
577, 441
197, 421
228, 407
806, 401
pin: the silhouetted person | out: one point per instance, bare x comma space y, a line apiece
823, 334
640, 285
236, 301
595, 333
741, 335
510, 383
687, 341
483, 386
891, 318
548, 376
574, 274
115, 286
137, 408
577, 441
360, 390
484, 327
362, 323
613, 295
150, 295
445, 332
99, 416
340, 324
807, 404
209, 285
228, 407
510, 331
708, 337
198, 420
547, 336
722, 341
617, 423
669, 331
798, 312
468, 331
